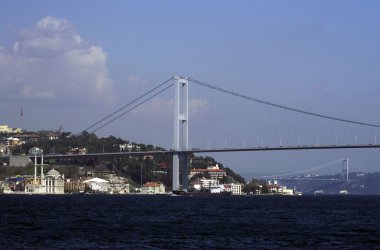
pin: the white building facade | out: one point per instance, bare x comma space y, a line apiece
52, 183
234, 188
153, 188
97, 184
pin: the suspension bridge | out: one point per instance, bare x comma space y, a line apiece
253, 134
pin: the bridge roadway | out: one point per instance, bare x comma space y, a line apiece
212, 150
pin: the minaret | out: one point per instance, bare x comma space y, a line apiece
35, 169
42, 169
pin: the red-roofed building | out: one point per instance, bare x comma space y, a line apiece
153, 188
214, 171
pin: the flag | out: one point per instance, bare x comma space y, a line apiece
21, 112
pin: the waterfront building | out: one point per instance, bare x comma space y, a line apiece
51, 183
274, 188
13, 184
153, 188
54, 182
207, 183
287, 191
277, 188
216, 188
97, 184
234, 188
74, 186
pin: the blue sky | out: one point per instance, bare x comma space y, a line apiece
321, 56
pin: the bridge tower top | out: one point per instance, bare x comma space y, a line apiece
181, 113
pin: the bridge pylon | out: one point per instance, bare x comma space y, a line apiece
181, 130
345, 169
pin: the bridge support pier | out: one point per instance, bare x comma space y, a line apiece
185, 171
175, 172
181, 129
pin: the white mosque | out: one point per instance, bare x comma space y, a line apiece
51, 183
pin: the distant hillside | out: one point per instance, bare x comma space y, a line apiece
359, 183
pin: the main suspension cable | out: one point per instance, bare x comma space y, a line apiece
303, 171
129, 104
278, 105
134, 107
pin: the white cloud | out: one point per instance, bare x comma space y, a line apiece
136, 80
52, 61
16, 46
54, 24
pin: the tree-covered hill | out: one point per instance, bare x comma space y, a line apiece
138, 169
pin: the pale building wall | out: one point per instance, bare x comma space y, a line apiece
5, 129
153, 189
236, 189
206, 183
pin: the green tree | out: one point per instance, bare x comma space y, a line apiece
235, 176
265, 189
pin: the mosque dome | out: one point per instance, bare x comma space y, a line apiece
54, 173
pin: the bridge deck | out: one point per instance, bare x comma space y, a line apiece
212, 150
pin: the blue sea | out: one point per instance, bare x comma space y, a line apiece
185, 222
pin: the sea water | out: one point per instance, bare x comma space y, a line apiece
185, 222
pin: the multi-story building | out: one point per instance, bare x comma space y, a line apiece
234, 188
214, 171
277, 188
74, 186
207, 183
214, 187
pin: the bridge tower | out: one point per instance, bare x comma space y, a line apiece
181, 130
345, 169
